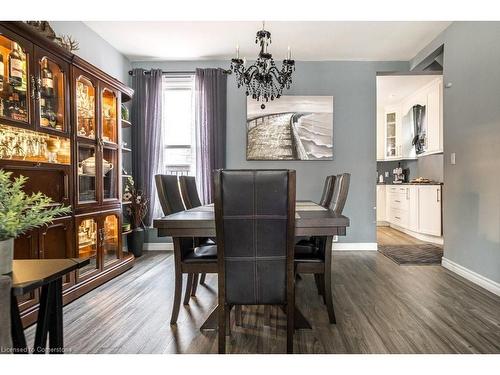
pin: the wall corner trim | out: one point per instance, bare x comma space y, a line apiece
484, 282
158, 246
354, 246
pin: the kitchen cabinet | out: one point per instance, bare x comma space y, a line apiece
434, 119
381, 204
396, 133
416, 208
429, 210
412, 196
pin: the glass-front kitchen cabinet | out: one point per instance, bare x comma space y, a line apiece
97, 142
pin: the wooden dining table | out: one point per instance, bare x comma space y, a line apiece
311, 219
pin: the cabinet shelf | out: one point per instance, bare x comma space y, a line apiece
126, 149
126, 124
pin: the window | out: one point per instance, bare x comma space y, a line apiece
178, 122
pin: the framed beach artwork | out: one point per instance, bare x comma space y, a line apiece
290, 128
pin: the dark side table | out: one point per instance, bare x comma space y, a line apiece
28, 275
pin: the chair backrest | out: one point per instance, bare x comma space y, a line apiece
255, 225
189, 192
340, 192
5, 331
326, 197
169, 194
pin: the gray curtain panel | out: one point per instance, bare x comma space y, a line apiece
146, 132
210, 102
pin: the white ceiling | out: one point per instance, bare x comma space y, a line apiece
392, 89
310, 41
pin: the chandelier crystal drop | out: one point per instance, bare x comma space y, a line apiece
263, 81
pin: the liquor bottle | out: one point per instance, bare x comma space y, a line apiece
2, 67
51, 116
15, 66
44, 121
47, 80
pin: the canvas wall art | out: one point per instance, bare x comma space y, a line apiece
290, 128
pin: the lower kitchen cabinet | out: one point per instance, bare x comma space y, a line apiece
416, 208
429, 210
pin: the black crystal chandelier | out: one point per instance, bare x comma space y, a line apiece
263, 80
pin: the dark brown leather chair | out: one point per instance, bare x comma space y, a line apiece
314, 256
255, 225
326, 197
191, 199
190, 259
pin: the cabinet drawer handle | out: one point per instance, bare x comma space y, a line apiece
397, 217
397, 201
437, 195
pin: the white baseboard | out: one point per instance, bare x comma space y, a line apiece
472, 276
354, 246
158, 246
423, 237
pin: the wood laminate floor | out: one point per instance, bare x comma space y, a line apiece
380, 308
387, 236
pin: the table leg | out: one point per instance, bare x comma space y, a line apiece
56, 342
17, 331
46, 301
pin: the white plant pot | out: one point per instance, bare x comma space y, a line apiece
6, 256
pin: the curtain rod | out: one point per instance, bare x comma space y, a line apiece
226, 71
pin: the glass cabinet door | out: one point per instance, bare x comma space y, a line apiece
87, 172
390, 134
110, 173
87, 246
85, 108
51, 93
109, 119
110, 239
15, 97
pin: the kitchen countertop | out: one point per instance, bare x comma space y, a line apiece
410, 183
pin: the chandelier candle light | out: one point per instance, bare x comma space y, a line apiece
263, 81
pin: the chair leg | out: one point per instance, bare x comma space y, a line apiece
202, 278
290, 326
195, 285
222, 329
189, 286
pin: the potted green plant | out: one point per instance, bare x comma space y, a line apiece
136, 211
20, 213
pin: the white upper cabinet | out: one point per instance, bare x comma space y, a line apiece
396, 129
434, 119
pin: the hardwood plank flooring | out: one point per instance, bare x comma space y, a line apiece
380, 308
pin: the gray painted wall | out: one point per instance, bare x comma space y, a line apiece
471, 130
353, 86
94, 49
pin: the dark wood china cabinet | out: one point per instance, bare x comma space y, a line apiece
60, 125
